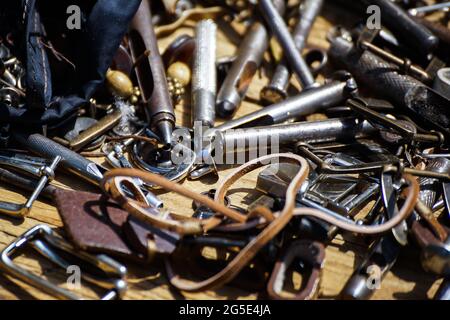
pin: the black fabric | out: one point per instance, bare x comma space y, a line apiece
64, 67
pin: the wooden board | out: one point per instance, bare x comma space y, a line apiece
407, 280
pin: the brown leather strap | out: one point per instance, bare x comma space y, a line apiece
248, 253
277, 220
112, 184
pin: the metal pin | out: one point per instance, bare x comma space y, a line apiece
204, 77
275, 91
290, 50
405, 64
48, 173
431, 8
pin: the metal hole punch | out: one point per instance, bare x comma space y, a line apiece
47, 173
316, 59
45, 241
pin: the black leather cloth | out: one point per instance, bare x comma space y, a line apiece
64, 67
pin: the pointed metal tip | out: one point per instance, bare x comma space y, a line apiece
164, 130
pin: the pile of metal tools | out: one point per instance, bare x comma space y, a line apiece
351, 136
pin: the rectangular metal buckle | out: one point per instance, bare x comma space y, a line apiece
45, 240
46, 174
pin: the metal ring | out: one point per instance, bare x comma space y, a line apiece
176, 172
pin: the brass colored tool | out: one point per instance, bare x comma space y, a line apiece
102, 126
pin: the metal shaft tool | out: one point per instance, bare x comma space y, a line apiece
290, 50
425, 105
404, 27
309, 132
275, 91
248, 59
71, 161
204, 78
151, 76
305, 103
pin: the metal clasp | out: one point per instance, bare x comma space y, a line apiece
311, 255
44, 240
47, 173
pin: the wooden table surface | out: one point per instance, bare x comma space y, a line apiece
406, 280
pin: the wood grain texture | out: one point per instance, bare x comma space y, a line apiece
406, 280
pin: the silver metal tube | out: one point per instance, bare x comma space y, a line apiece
309, 131
249, 57
204, 79
307, 102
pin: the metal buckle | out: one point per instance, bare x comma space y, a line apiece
22, 162
44, 240
311, 255
47, 173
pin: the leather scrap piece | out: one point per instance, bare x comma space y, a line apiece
94, 223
